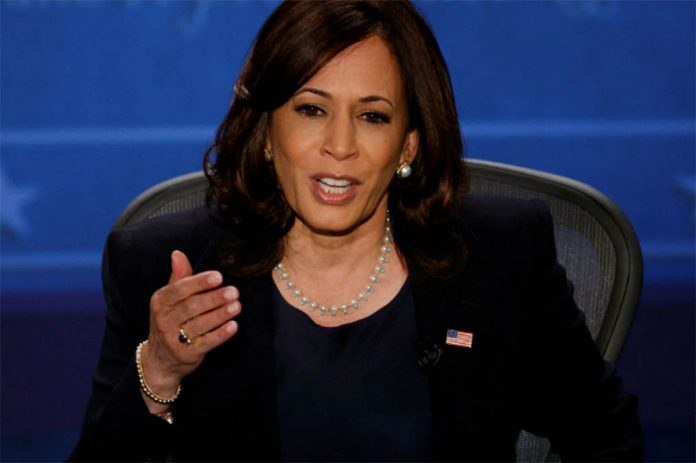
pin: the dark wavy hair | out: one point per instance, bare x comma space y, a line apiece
296, 41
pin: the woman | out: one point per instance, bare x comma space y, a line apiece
386, 316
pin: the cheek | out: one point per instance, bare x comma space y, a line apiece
291, 143
386, 154
386, 175
384, 143
290, 165
287, 171
383, 173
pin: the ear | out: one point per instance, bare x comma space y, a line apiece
267, 141
410, 149
267, 138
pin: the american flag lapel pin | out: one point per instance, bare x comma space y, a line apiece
459, 338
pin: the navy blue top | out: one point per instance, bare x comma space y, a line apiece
352, 392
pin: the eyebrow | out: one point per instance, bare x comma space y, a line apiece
365, 99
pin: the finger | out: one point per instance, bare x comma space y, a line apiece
197, 304
211, 340
211, 320
180, 290
201, 303
181, 267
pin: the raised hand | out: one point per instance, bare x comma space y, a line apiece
201, 308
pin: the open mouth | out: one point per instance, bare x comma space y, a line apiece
333, 186
334, 189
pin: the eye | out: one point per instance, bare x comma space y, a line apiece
375, 117
309, 110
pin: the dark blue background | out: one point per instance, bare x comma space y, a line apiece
100, 100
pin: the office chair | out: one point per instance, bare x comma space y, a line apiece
595, 243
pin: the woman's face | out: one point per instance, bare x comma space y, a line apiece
338, 140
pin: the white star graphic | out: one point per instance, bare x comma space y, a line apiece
13, 198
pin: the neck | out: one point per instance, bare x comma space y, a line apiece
350, 275
309, 251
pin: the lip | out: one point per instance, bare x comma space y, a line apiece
334, 190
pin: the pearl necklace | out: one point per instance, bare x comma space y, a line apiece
362, 297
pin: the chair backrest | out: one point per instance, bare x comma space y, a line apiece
598, 248
595, 242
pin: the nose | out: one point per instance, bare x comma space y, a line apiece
339, 137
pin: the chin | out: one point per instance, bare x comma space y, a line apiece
334, 221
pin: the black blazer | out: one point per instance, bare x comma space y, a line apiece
532, 366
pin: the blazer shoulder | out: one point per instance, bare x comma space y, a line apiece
188, 231
182, 225
138, 256
504, 222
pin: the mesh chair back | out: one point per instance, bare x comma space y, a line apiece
595, 242
173, 195
597, 246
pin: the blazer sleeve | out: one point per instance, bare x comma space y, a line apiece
575, 397
117, 424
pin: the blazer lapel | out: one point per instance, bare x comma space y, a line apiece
234, 390
233, 393
458, 377
458, 304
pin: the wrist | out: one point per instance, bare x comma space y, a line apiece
159, 389
153, 407
160, 381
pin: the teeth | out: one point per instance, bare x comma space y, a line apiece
333, 186
334, 182
333, 190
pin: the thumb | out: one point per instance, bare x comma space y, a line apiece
181, 267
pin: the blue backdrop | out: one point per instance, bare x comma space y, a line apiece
100, 100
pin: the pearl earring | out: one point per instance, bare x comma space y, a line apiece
404, 170
267, 155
